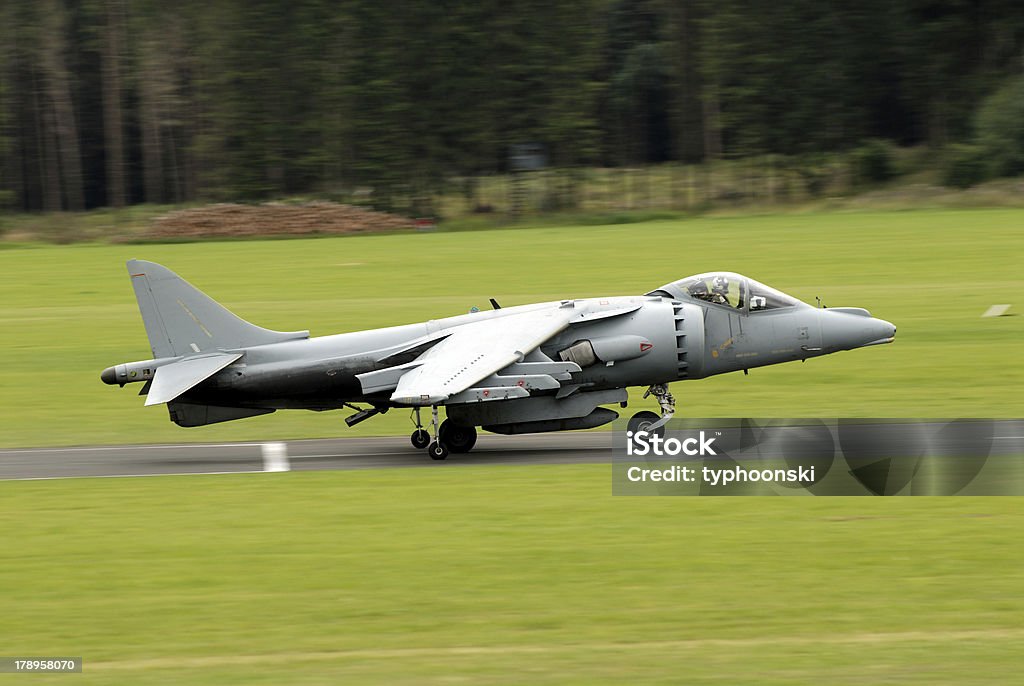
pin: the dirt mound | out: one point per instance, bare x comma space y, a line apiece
239, 221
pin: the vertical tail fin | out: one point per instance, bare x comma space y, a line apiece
182, 320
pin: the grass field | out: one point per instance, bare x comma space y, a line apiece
516, 574
69, 311
504, 575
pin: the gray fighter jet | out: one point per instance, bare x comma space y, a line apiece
544, 367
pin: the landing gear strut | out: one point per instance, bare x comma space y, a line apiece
444, 438
420, 438
648, 421
437, 449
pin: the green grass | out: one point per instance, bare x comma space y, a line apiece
504, 575
516, 574
68, 311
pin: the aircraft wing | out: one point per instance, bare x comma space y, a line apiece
475, 351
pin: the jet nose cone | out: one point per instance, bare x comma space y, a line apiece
109, 376
882, 332
849, 328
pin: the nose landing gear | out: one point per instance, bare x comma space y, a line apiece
643, 421
650, 422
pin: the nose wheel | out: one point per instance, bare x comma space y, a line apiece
650, 422
643, 421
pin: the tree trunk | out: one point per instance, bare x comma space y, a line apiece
113, 129
151, 95
712, 125
62, 107
49, 167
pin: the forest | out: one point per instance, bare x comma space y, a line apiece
121, 102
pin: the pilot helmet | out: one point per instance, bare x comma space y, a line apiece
720, 284
698, 287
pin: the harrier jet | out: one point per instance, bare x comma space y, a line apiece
550, 366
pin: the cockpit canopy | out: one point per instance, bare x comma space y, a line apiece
729, 290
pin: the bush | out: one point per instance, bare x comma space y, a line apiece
1000, 129
873, 162
965, 166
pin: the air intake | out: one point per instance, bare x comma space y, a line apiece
679, 315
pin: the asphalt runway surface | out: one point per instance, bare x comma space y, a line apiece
338, 454
332, 453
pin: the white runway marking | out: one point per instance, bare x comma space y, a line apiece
996, 311
275, 457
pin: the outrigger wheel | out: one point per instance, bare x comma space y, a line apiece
420, 439
458, 438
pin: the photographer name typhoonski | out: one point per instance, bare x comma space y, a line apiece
723, 476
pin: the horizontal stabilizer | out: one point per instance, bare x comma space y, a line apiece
174, 379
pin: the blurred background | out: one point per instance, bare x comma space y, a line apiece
455, 109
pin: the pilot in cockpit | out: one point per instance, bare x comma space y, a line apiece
718, 294
720, 290
699, 290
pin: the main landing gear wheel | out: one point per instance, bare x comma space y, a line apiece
643, 420
420, 439
458, 438
437, 451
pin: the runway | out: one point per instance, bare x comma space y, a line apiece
338, 454
305, 455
